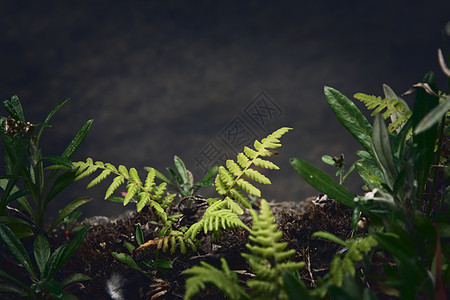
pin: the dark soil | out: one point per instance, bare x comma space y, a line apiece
298, 221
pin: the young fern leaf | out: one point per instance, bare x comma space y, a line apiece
226, 280
146, 194
392, 106
266, 257
215, 218
235, 175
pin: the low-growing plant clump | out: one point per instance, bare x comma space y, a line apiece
392, 241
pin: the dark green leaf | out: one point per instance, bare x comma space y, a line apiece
53, 287
14, 108
433, 117
41, 252
365, 155
63, 253
424, 141
355, 217
53, 265
72, 206
175, 177
383, 151
77, 139
72, 278
116, 199
13, 279
350, 117
16, 248
162, 264
9, 288
295, 289
127, 259
323, 182
50, 115
400, 140
58, 160
139, 235
211, 173
181, 168
60, 183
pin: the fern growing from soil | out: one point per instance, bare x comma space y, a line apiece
266, 260
397, 109
222, 213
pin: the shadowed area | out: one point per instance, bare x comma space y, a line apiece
163, 79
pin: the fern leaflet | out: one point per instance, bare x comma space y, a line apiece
267, 254
234, 176
224, 279
397, 110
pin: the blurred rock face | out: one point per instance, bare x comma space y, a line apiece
163, 79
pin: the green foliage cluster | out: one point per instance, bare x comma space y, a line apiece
406, 201
266, 260
28, 188
221, 213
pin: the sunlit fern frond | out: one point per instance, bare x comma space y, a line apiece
394, 108
226, 280
234, 177
267, 256
144, 193
214, 219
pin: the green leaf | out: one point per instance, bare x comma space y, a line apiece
60, 183
433, 117
77, 139
350, 117
58, 160
14, 108
328, 160
63, 253
139, 235
323, 182
50, 115
53, 287
41, 252
331, 237
424, 141
11, 288
127, 259
16, 248
181, 168
72, 278
383, 151
72, 206
295, 289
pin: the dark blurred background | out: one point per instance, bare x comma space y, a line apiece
165, 78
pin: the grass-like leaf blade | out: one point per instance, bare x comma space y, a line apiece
77, 139
16, 248
71, 207
323, 182
383, 151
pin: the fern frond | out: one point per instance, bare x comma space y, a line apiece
231, 178
267, 254
146, 194
224, 279
215, 218
105, 173
257, 176
394, 108
117, 181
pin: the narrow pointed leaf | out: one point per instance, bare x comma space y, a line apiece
16, 248
323, 182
